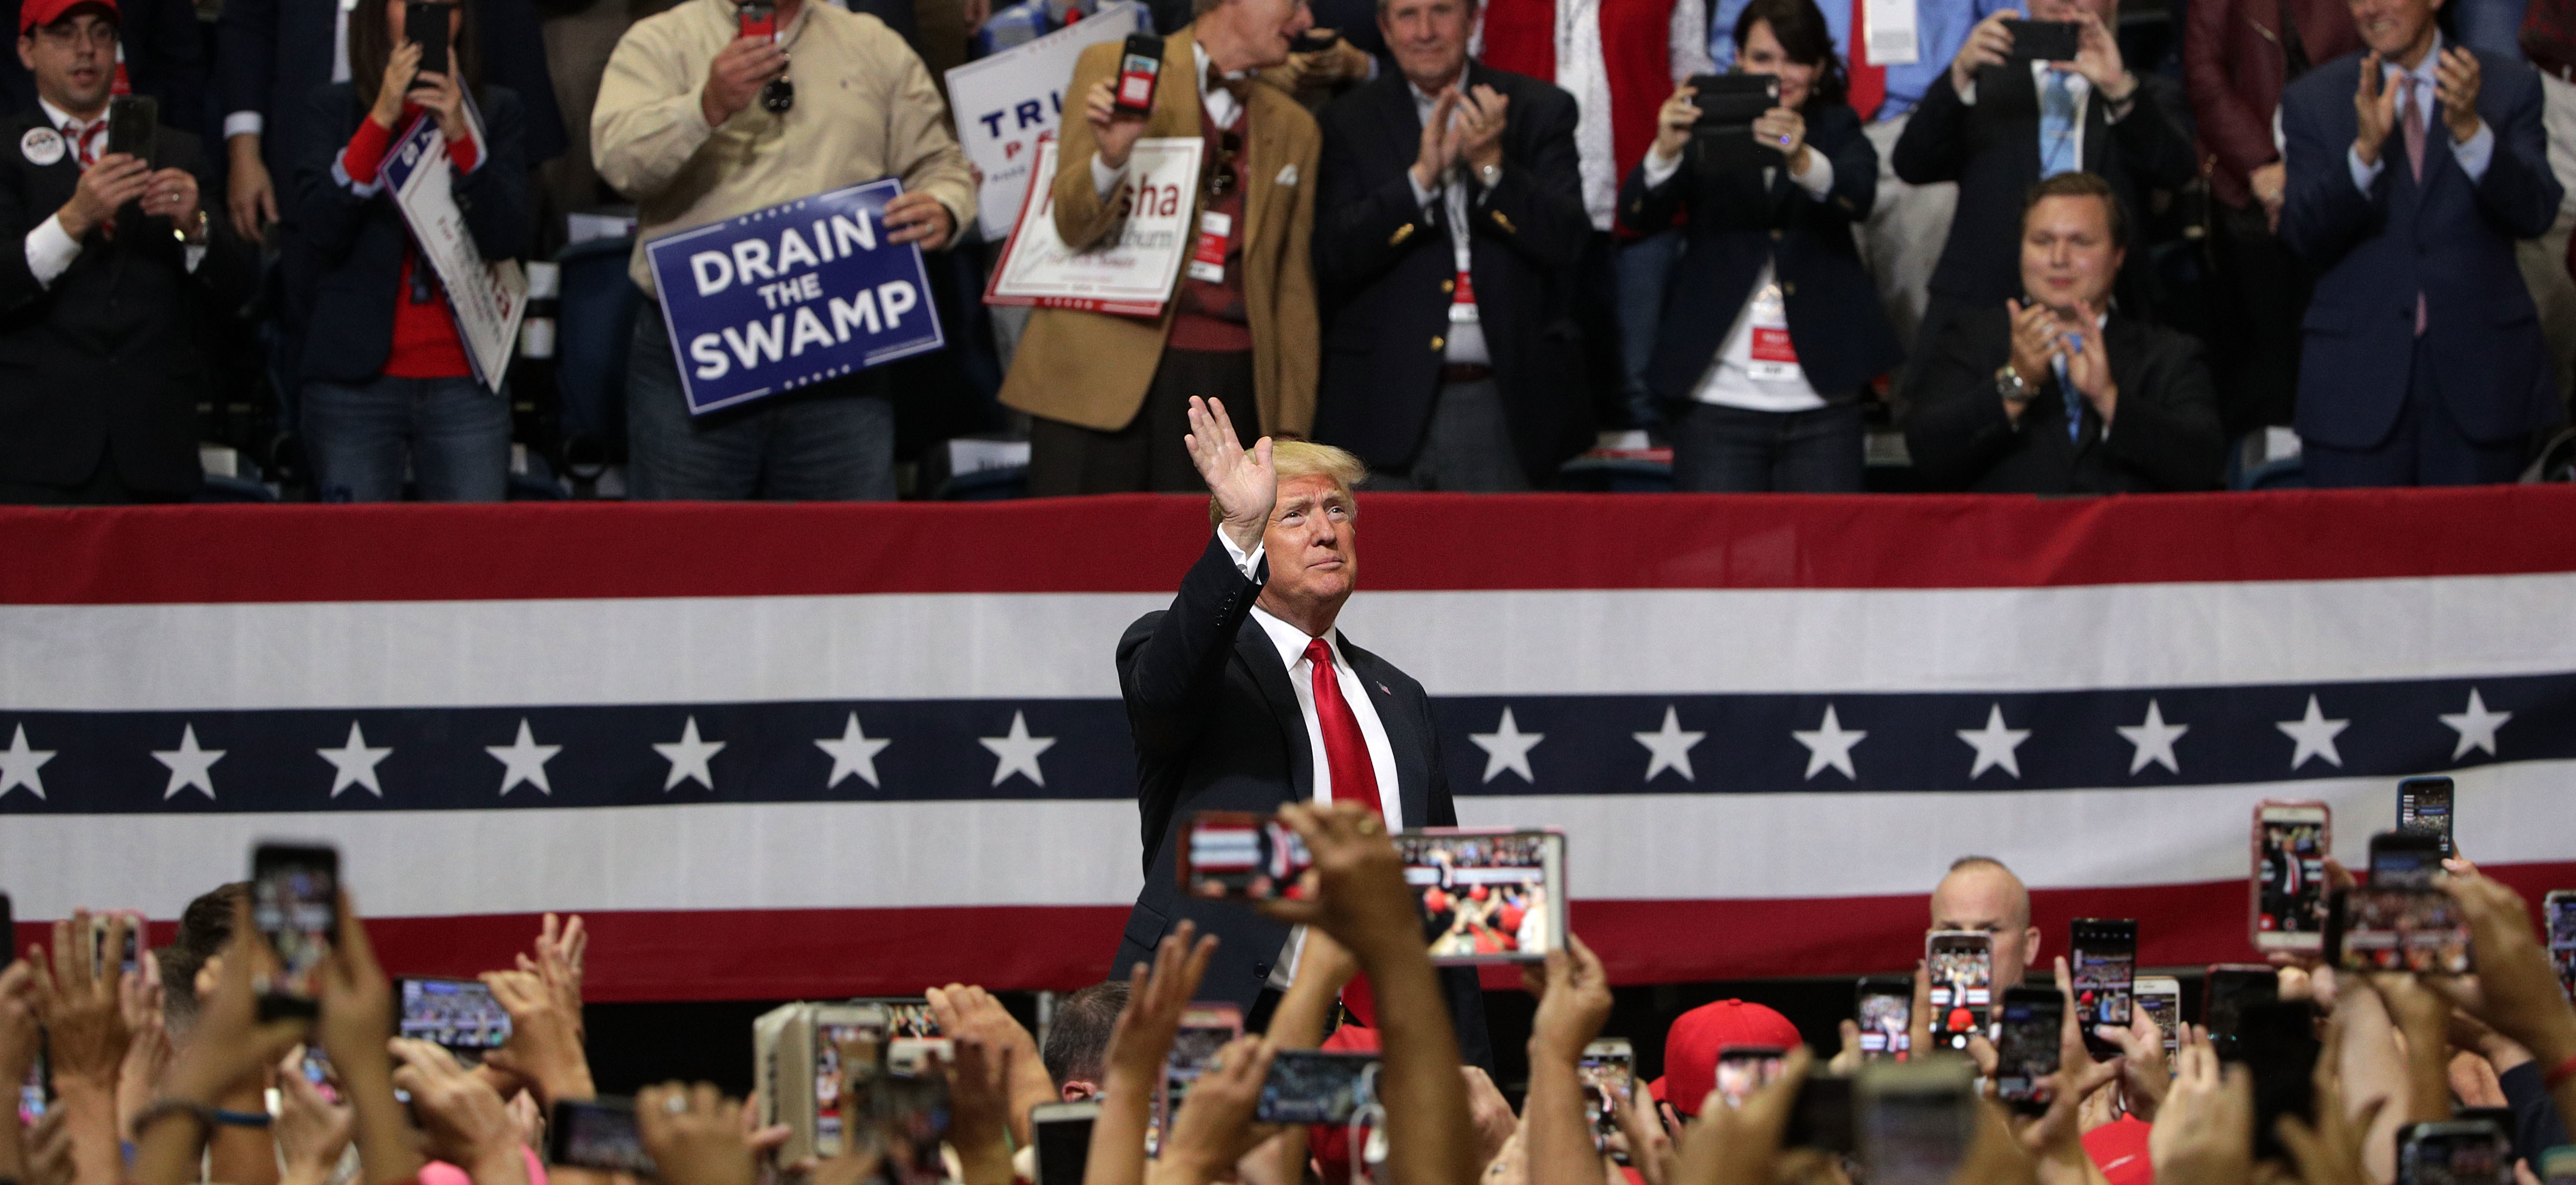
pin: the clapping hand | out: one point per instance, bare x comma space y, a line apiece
2374, 107
1439, 148
2455, 80
1479, 135
1243, 480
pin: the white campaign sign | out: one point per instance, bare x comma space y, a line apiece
1131, 274
1007, 102
488, 299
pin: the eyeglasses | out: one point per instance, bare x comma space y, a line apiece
96, 33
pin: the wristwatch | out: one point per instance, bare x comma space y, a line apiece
183, 230
2009, 385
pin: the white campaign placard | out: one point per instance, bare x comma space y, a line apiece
488, 299
1130, 274
1007, 102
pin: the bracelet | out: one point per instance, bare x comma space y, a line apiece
203, 1114
2559, 1074
241, 1118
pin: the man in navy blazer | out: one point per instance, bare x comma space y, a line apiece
1244, 697
2413, 168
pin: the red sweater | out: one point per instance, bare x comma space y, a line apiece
425, 342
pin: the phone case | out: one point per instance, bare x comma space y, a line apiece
2273, 940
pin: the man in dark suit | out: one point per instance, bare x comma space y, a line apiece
1243, 697
165, 57
2413, 168
2052, 393
1997, 124
1450, 223
107, 259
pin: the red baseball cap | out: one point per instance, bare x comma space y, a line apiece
33, 13
2120, 1149
1691, 1047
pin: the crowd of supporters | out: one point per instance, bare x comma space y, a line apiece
1481, 244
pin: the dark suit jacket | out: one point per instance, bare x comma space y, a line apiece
165, 57
1217, 727
1992, 151
2446, 238
105, 358
271, 54
2164, 436
1385, 266
1735, 224
358, 239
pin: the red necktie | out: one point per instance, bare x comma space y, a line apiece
1868, 79
1346, 752
2410, 119
85, 142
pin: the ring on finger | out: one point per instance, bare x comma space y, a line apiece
675, 1104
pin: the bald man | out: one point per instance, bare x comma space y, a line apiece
1981, 894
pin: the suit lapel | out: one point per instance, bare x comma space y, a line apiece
1413, 751
1253, 645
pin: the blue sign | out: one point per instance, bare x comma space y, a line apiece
790, 296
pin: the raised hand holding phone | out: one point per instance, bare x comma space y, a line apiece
1213, 1128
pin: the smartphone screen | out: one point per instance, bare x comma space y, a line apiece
2424, 804
2103, 959
1138, 62
905, 1016
2291, 841
2558, 917
2398, 927
2231, 988
1743, 1069
599, 1134
1884, 1012
1915, 1119
32, 1094
1205, 1030
1063, 1135
1961, 964
1487, 896
1822, 1117
1608, 1062
2160, 997
295, 905
1310, 1087
2475, 1152
1242, 855
456, 1013
910, 1115
2026, 1052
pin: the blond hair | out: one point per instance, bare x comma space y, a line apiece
1304, 458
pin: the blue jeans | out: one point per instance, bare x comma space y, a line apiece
1719, 449
455, 434
832, 443
1643, 267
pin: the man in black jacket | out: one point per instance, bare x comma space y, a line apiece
2052, 393
165, 57
1449, 224
108, 258
1998, 124
1243, 697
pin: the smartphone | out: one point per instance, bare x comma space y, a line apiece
1062, 1132
1743, 1069
2045, 41
132, 121
2558, 1166
1138, 63
848, 1050
2397, 928
1205, 1030
1310, 1087
1823, 1116
756, 18
1961, 964
2103, 958
2026, 1049
2404, 859
129, 956
1241, 855
1488, 895
1885, 1013
2458, 1152
1608, 1062
2230, 989
2558, 918
1915, 1119
37, 1090
905, 1016
910, 1115
425, 25
2161, 998
2277, 1040
1731, 102
599, 1134
295, 905
2291, 840
920, 1055
459, 1014
2424, 804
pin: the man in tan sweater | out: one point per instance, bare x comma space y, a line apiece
687, 126
1111, 393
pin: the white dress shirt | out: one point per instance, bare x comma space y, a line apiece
51, 248
1466, 339
1729, 380
2474, 156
